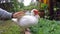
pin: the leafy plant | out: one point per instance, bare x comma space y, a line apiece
46, 27
43, 6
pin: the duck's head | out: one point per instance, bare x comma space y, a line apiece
35, 12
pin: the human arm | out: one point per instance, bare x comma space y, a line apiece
7, 15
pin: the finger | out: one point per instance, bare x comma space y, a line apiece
18, 13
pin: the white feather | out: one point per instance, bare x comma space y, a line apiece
27, 20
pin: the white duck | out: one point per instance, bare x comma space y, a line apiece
29, 19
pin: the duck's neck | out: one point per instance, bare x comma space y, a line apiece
37, 16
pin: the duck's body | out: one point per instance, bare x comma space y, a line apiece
27, 21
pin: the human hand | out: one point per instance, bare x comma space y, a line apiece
18, 14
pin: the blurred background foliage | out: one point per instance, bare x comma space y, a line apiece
14, 6
44, 26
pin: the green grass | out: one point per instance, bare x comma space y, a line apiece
9, 28
47, 27
44, 27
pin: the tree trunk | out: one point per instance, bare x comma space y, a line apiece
51, 11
